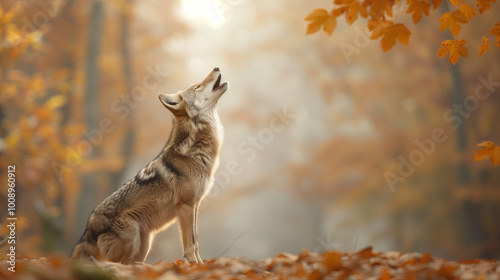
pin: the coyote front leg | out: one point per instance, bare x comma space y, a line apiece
186, 214
196, 233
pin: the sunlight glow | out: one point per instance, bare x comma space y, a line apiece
204, 11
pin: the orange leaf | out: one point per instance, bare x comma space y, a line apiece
320, 17
366, 253
317, 18
417, 7
468, 11
474, 261
447, 271
489, 151
385, 274
318, 13
484, 47
452, 20
485, 152
315, 275
300, 271
380, 7
395, 32
436, 3
456, 2
330, 24
425, 258
377, 27
331, 260
496, 156
495, 30
353, 9
484, 5
455, 48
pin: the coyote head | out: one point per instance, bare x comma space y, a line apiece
197, 99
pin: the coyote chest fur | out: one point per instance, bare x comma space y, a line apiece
170, 187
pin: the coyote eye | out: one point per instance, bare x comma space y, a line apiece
197, 87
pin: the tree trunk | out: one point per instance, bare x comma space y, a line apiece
89, 181
128, 142
471, 227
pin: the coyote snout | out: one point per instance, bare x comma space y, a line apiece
170, 187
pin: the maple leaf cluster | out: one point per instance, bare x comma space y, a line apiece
379, 14
363, 264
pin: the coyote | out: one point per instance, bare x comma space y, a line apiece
171, 186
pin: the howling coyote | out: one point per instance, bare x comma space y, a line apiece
171, 186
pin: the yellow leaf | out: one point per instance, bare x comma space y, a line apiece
484, 47
395, 32
468, 11
417, 7
484, 5
456, 2
495, 30
452, 20
56, 102
455, 48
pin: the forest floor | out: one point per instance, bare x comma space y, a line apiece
363, 264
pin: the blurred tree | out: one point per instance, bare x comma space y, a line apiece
57, 59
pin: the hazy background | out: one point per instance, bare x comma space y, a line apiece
313, 131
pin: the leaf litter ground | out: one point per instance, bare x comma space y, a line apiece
363, 264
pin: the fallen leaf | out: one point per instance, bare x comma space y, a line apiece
385, 275
365, 253
447, 271
331, 260
425, 258
315, 275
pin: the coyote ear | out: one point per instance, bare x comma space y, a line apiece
170, 101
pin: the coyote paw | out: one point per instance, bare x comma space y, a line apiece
191, 259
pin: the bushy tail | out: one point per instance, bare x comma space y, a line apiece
84, 251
